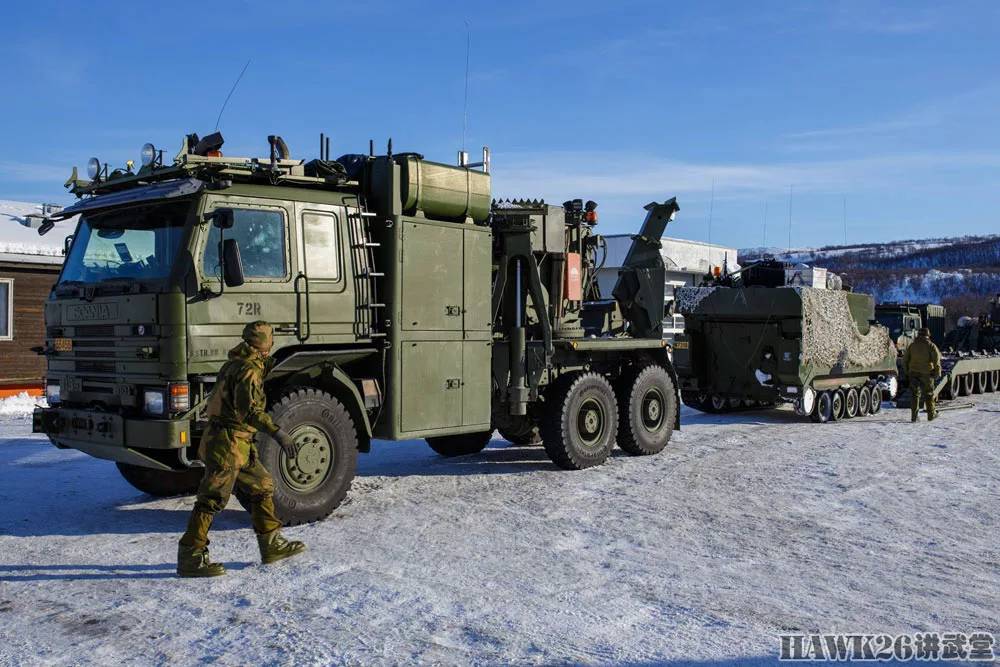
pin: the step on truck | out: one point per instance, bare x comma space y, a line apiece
771, 333
970, 352
407, 304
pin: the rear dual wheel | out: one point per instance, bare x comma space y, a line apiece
580, 425
647, 410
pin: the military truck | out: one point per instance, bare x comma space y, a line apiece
406, 303
970, 352
752, 341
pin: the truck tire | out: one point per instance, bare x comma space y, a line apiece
647, 409
161, 483
309, 487
520, 430
875, 405
851, 403
864, 401
461, 444
581, 421
837, 401
966, 385
823, 410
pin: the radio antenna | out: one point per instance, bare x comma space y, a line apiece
231, 91
465, 106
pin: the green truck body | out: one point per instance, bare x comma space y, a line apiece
397, 290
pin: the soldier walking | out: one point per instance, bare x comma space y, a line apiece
922, 362
236, 411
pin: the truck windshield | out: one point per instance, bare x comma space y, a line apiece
891, 321
135, 244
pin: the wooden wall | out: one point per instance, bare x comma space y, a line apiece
19, 366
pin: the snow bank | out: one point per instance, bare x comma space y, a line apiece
21, 405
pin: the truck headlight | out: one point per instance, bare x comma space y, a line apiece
52, 392
153, 402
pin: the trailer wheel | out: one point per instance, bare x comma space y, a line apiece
994, 381
875, 405
864, 402
851, 403
580, 425
647, 408
719, 404
520, 430
695, 400
966, 385
461, 444
161, 483
823, 411
312, 485
979, 382
837, 401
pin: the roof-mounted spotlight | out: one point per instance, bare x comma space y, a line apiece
94, 168
148, 155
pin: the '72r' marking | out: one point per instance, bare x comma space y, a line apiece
248, 307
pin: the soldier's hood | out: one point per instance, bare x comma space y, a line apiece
243, 351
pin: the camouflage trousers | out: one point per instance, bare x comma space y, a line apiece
922, 386
231, 461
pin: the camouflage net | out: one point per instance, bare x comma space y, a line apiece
830, 336
686, 299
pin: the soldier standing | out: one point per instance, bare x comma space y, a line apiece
922, 362
236, 411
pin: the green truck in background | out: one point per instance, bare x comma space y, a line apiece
406, 304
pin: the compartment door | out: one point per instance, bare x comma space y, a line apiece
476, 385
432, 277
478, 275
431, 374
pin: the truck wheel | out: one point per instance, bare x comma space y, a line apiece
864, 402
461, 444
824, 408
875, 404
520, 430
837, 401
966, 385
851, 403
312, 485
580, 425
647, 408
980, 380
161, 483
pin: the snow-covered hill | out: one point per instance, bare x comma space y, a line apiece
748, 526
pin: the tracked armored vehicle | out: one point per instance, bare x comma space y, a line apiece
751, 340
406, 304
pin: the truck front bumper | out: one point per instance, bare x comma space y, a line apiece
145, 442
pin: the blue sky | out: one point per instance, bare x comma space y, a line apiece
891, 107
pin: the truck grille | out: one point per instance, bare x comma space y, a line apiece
95, 366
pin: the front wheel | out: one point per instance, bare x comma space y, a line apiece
581, 421
311, 485
647, 409
161, 483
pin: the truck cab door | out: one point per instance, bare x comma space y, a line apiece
323, 288
265, 234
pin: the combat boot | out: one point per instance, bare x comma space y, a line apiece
194, 562
274, 547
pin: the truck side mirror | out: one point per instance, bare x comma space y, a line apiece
223, 218
232, 265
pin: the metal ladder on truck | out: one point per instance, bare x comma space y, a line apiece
367, 280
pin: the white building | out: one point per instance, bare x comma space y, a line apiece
686, 262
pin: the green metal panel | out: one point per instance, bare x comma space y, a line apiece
475, 382
432, 277
478, 274
431, 384
444, 191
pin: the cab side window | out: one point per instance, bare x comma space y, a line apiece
261, 238
320, 236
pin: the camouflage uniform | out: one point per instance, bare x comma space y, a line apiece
922, 362
236, 411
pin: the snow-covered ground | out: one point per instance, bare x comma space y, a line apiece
748, 526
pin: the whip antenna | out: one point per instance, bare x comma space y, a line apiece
465, 105
231, 91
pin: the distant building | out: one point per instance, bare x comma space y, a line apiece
29, 266
687, 262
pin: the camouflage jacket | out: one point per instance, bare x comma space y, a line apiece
237, 400
922, 357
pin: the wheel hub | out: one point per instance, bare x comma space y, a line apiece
591, 422
652, 410
313, 462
